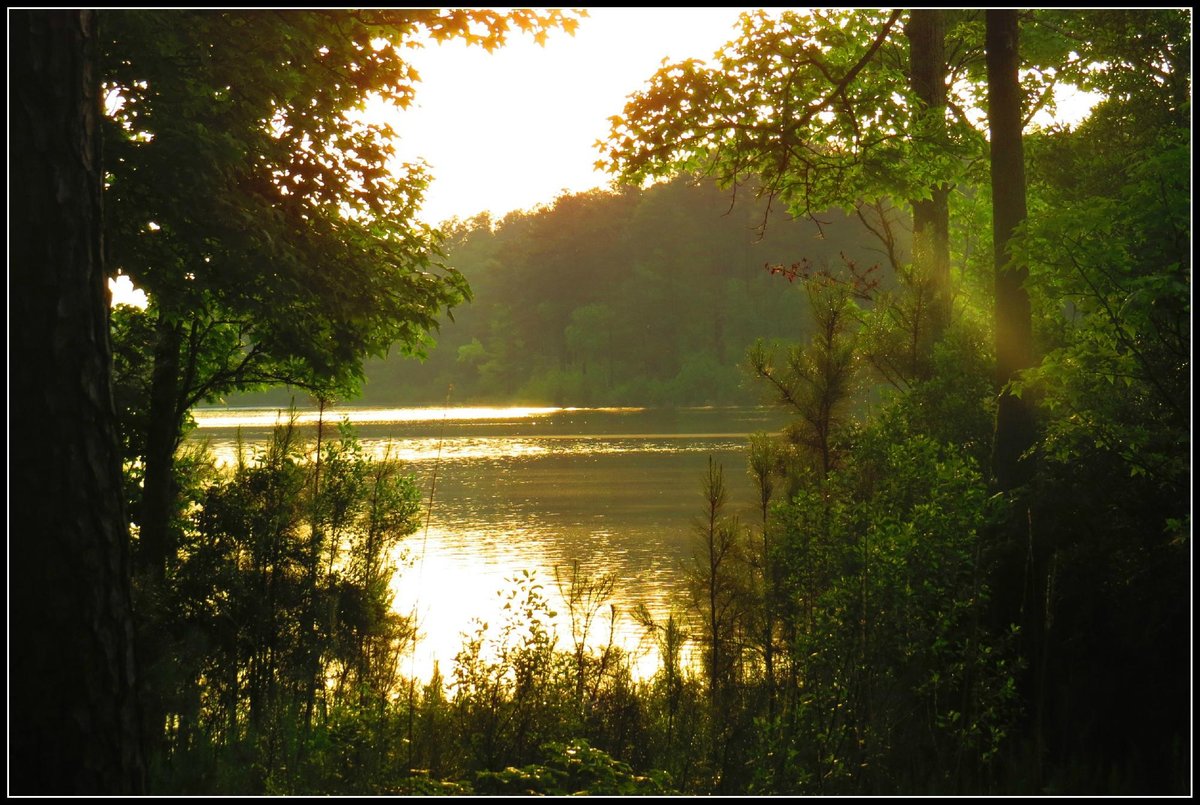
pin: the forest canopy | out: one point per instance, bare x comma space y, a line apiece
644, 297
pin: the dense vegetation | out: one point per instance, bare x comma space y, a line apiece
639, 297
642, 297
978, 583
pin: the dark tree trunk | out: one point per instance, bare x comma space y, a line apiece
73, 725
155, 543
1013, 320
926, 32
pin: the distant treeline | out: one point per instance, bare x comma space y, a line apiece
646, 297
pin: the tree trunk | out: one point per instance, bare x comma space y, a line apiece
926, 32
155, 546
1013, 319
73, 725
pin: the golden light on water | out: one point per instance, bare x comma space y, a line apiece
526, 490
267, 417
454, 593
409, 449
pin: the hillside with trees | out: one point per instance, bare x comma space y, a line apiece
623, 297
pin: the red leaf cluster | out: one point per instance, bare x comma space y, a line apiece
862, 283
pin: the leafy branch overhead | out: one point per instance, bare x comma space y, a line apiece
815, 104
243, 178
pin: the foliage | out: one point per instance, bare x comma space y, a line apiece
503, 679
815, 107
885, 587
955, 404
1108, 516
675, 702
644, 298
573, 768
258, 207
1116, 375
816, 381
584, 595
813, 103
253, 204
278, 617
716, 585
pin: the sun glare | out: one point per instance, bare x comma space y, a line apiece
124, 293
514, 129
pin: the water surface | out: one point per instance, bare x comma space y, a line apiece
533, 490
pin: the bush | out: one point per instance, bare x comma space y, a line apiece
574, 767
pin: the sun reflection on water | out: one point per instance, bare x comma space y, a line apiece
452, 590
268, 417
525, 490
414, 451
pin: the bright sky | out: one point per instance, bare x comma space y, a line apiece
514, 128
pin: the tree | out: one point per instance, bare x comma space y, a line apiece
1094, 565
764, 467
926, 32
251, 200
652, 289
281, 610
73, 717
1107, 245
1013, 321
716, 585
590, 337
256, 206
788, 83
830, 109
824, 108
816, 381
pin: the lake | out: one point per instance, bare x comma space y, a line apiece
535, 489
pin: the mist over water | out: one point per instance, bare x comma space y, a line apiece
535, 489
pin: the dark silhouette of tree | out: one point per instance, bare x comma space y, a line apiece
1013, 319
926, 32
73, 726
